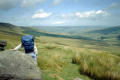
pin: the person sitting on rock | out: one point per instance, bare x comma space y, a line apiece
29, 46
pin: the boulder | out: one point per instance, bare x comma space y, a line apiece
77, 79
3, 43
15, 65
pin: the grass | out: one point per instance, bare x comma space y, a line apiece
91, 62
98, 65
57, 54
12, 40
56, 61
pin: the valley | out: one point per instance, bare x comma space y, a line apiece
70, 56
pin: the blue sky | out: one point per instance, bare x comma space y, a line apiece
60, 12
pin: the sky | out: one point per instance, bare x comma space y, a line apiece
60, 12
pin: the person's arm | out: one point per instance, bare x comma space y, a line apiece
35, 49
18, 47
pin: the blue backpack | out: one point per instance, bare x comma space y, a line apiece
28, 43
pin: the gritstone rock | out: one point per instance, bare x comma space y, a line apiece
15, 65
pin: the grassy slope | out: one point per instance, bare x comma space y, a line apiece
56, 56
56, 60
11, 34
37, 32
107, 34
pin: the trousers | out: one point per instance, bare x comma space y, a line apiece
33, 55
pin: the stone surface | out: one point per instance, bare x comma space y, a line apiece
15, 65
3, 43
77, 79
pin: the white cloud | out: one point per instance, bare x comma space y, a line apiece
86, 14
41, 14
31, 3
58, 22
8, 4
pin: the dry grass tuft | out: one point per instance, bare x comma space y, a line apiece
100, 66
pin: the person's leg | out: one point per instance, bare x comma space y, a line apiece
33, 55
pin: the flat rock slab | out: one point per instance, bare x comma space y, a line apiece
15, 65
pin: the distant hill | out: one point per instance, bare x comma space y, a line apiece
6, 25
106, 34
111, 30
7, 28
37, 32
10, 29
69, 29
111, 33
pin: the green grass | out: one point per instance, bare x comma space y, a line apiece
92, 59
98, 65
57, 61
56, 56
12, 40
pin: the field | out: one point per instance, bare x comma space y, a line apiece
67, 58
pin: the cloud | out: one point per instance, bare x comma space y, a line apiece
31, 3
113, 6
58, 22
41, 14
8, 4
91, 14
87, 14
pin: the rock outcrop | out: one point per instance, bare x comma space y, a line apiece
15, 65
3, 43
77, 79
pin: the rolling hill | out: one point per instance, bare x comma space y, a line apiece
69, 29
16, 30
111, 30
108, 34
7, 28
62, 57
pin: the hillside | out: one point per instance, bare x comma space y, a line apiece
16, 30
38, 32
110, 34
111, 30
8, 28
107, 34
98, 33
69, 29
69, 58
6, 25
